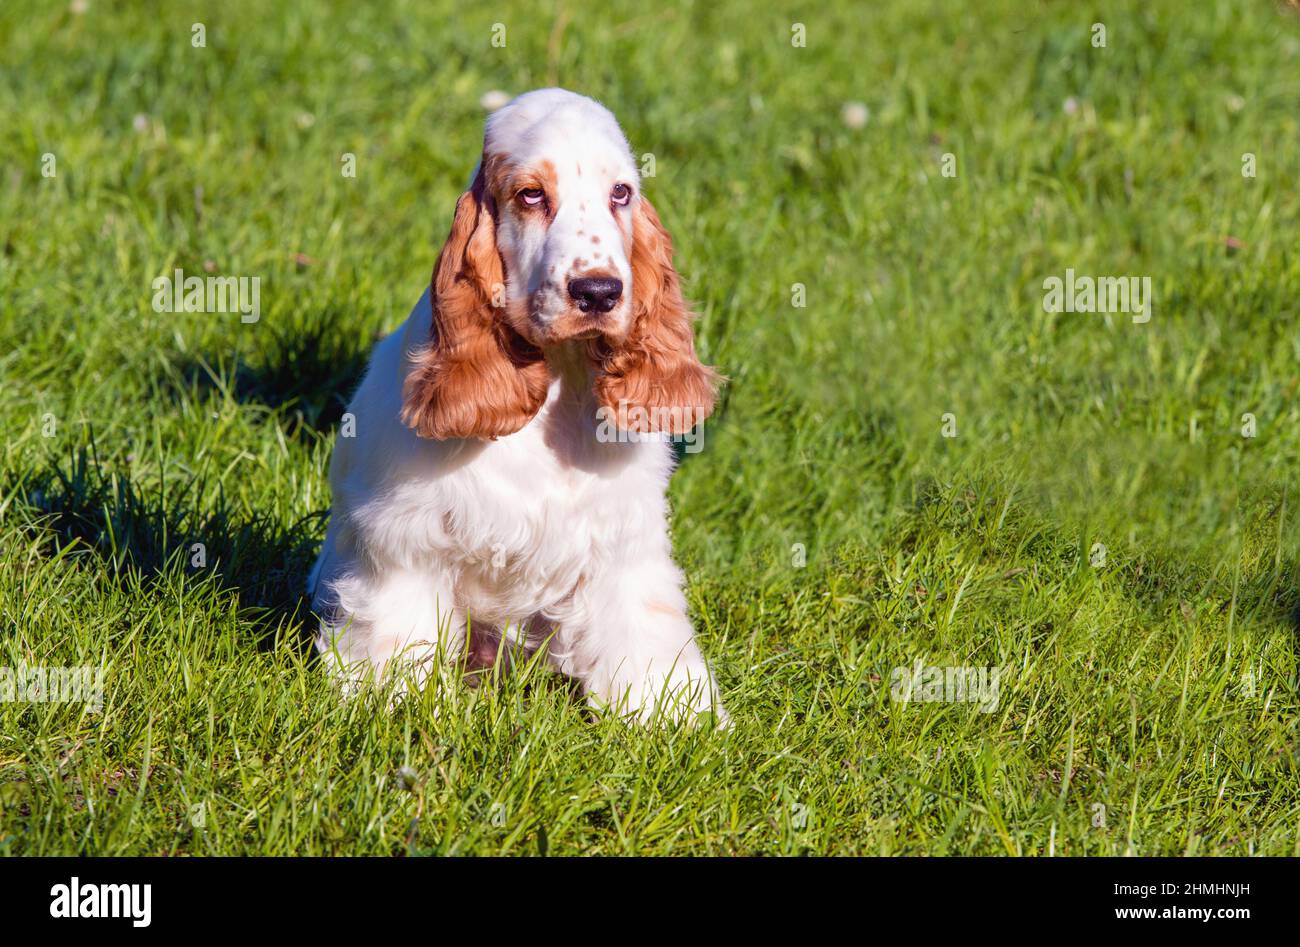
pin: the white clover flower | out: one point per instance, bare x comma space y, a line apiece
855, 114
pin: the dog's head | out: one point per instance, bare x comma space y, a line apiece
555, 243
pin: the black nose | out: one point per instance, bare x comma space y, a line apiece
596, 294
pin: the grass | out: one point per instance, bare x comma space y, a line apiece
830, 532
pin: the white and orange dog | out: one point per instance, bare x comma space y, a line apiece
512, 446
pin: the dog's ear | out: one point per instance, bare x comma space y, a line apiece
476, 377
653, 381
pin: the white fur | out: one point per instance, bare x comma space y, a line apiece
548, 533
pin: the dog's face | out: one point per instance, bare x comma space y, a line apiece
554, 243
564, 189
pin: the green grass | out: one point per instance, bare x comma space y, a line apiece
1161, 685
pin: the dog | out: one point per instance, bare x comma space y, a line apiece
505, 484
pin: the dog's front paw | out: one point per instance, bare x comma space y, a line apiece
685, 696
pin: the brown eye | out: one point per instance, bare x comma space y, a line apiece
532, 196
621, 194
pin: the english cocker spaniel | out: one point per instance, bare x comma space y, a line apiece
499, 482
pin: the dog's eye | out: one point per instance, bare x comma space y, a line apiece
621, 194
532, 196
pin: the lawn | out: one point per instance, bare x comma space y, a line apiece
914, 460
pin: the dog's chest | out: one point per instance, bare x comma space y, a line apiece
526, 521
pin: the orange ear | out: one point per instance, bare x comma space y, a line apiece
654, 382
477, 377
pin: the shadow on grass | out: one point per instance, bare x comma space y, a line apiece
144, 536
1274, 597
1291, 586
307, 372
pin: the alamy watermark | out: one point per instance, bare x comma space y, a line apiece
632, 423
1127, 294
181, 293
52, 685
951, 685
77, 899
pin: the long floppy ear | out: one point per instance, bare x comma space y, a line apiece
654, 382
477, 377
